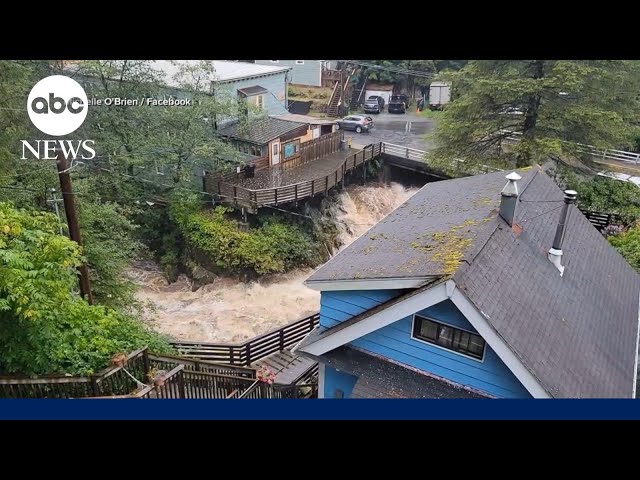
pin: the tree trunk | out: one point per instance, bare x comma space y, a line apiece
531, 115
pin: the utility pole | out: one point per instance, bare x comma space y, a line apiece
72, 221
55, 204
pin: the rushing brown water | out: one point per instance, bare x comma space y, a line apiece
232, 311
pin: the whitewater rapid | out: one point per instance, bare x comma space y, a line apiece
232, 311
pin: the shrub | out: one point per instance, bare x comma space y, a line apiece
272, 248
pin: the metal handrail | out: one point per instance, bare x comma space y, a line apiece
622, 155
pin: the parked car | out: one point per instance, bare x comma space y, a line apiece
372, 105
371, 102
398, 104
359, 123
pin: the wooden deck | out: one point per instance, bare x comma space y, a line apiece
280, 186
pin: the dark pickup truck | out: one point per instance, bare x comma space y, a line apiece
398, 104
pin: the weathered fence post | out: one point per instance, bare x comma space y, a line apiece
181, 386
145, 361
248, 353
95, 386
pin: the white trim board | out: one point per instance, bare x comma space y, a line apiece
635, 368
321, 373
372, 284
498, 345
377, 321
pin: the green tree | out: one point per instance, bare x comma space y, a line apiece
551, 103
628, 244
110, 246
176, 139
44, 326
16, 80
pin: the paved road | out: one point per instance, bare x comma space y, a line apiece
408, 129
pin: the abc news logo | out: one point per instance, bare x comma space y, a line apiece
41, 105
57, 106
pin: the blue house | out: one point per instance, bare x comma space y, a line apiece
263, 86
473, 288
304, 72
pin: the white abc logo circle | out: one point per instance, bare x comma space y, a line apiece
57, 105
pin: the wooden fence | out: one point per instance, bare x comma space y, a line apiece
110, 381
244, 354
315, 149
602, 220
115, 382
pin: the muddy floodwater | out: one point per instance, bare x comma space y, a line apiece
232, 311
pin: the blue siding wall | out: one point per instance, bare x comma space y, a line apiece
394, 341
274, 102
337, 380
307, 74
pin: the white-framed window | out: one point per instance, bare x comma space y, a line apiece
448, 337
259, 101
275, 61
159, 169
299, 62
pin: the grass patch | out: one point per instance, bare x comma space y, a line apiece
433, 114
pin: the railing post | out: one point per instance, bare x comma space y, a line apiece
326, 185
248, 353
336, 182
275, 193
145, 362
364, 172
407, 152
235, 194
181, 386
281, 339
95, 387
219, 188
231, 360
312, 185
295, 190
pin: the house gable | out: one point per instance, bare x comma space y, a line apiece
395, 342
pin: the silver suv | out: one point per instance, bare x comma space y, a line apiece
359, 123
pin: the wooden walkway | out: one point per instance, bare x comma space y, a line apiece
289, 368
310, 179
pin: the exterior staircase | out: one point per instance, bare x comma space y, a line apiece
357, 94
334, 101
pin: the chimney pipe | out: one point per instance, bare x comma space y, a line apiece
555, 252
509, 198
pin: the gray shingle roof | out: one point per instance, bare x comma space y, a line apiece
261, 131
426, 236
577, 334
378, 378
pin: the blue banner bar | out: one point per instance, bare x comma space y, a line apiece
320, 409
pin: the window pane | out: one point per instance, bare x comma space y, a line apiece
445, 336
428, 330
476, 346
461, 341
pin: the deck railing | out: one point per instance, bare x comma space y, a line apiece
244, 354
298, 191
110, 381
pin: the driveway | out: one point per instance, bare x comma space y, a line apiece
407, 129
